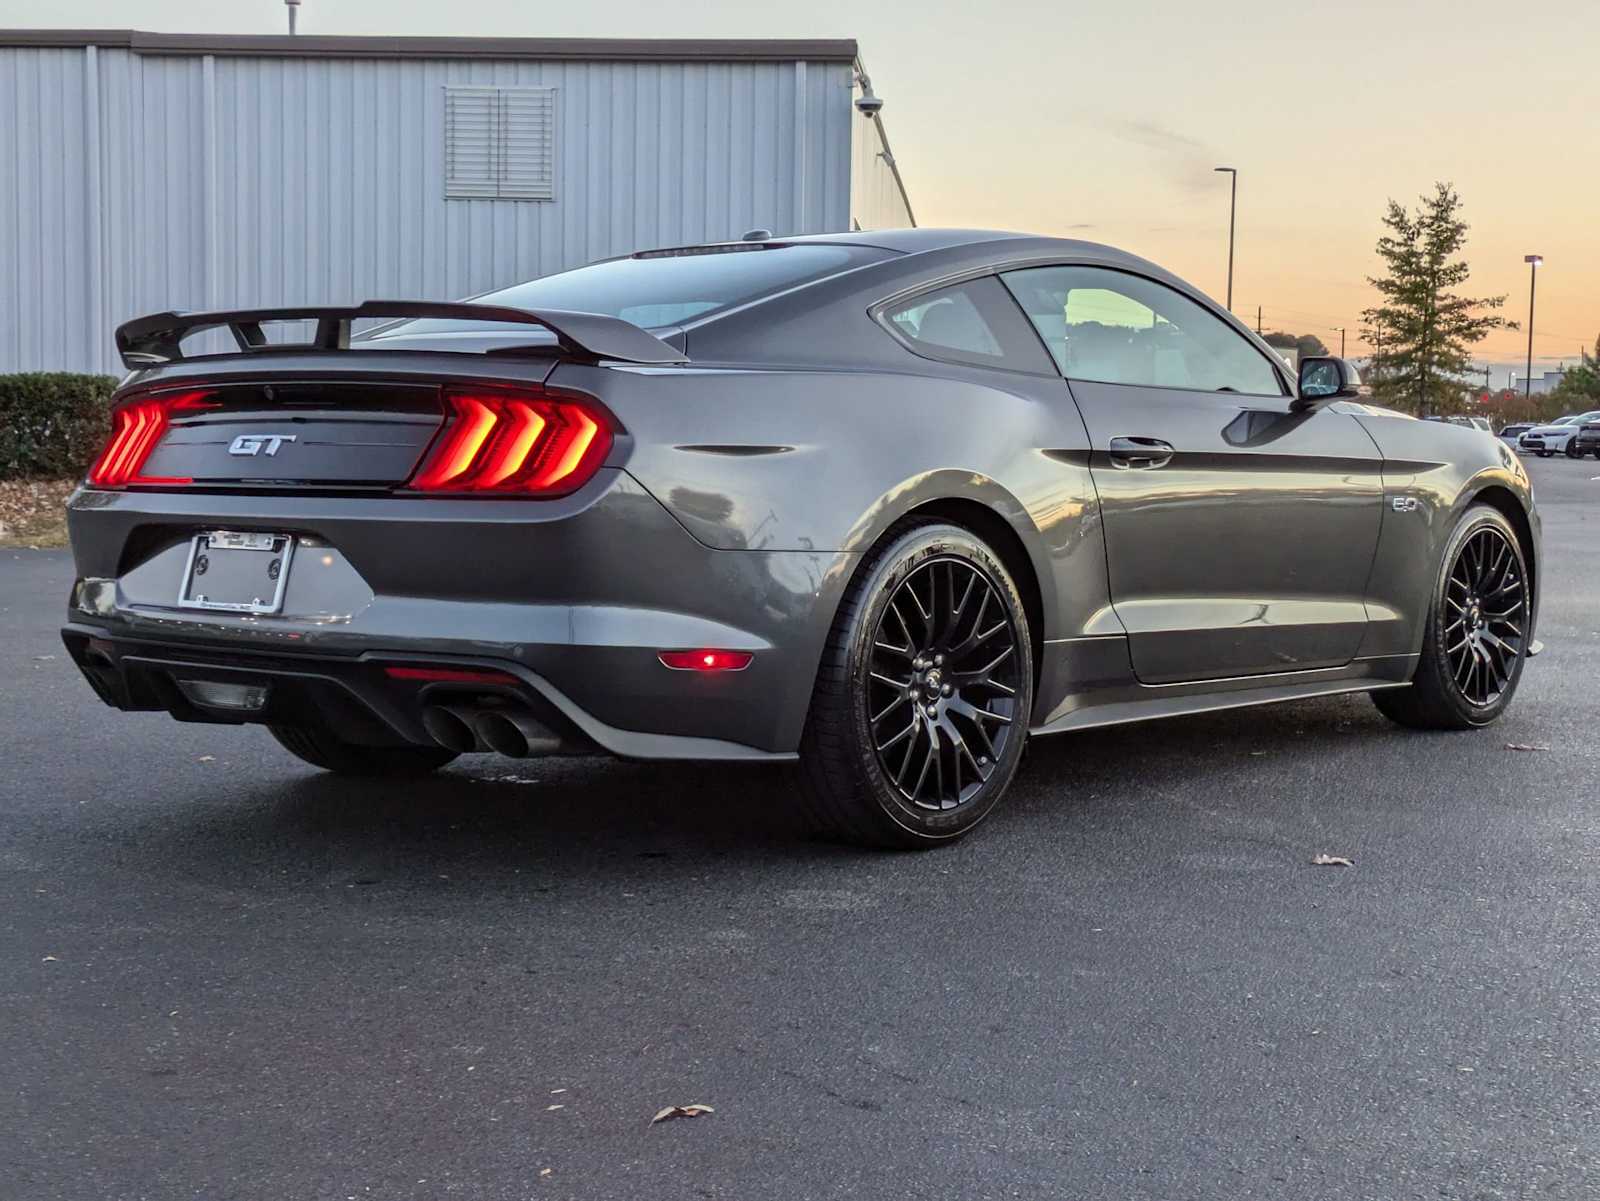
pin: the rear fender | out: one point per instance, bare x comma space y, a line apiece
819, 461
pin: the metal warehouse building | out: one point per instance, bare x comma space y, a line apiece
160, 171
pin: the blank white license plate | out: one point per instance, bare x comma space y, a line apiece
237, 572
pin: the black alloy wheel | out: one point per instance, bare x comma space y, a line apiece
1476, 635
943, 685
1486, 602
920, 712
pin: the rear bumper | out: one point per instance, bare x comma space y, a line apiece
355, 695
575, 598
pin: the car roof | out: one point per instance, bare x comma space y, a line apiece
917, 241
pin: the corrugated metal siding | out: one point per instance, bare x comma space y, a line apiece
260, 181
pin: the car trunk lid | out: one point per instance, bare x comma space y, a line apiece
297, 433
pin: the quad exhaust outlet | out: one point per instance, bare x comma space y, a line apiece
512, 732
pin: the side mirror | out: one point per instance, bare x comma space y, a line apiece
1324, 379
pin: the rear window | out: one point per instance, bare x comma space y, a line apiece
662, 288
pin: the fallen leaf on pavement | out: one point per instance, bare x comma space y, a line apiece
548, 1108
681, 1111
1527, 746
206, 759
1332, 861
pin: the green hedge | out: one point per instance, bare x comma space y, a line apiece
52, 424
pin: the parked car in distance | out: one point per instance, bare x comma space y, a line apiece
1510, 433
1557, 437
885, 504
1587, 440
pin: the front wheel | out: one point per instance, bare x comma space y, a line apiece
921, 705
325, 749
1572, 449
1477, 630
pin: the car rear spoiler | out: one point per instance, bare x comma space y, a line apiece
149, 341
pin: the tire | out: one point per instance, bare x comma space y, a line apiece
324, 749
932, 621
1469, 672
1572, 449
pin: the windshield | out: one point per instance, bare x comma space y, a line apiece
670, 287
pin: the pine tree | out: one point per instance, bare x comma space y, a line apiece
1423, 330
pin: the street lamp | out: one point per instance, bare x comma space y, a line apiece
1233, 208
1534, 261
294, 8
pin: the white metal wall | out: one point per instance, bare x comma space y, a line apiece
140, 182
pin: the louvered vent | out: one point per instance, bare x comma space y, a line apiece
499, 143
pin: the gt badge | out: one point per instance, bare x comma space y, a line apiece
255, 444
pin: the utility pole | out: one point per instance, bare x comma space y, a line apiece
1258, 320
1340, 328
1233, 212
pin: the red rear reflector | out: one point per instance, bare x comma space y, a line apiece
136, 430
706, 660
515, 443
450, 675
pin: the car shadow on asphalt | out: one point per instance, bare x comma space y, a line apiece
594, 817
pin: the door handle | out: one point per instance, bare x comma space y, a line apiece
1140, 454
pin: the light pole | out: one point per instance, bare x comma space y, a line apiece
1340, 328
294, 9
1233, 209
1534, 262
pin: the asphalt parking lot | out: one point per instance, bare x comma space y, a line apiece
226, 976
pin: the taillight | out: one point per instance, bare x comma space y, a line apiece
136, 430
514, 443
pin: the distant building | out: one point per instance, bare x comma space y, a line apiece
1542, 384
151, 171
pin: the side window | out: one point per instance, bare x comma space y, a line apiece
971, 322
1115, 328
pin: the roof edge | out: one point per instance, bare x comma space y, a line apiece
341, 46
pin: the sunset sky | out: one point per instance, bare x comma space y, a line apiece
1104, 121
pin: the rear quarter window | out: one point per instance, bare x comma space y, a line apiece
974, 322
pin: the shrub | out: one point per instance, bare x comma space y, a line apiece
52, 424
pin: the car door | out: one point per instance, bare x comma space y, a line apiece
1239, 531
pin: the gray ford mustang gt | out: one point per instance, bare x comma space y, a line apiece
885, 503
